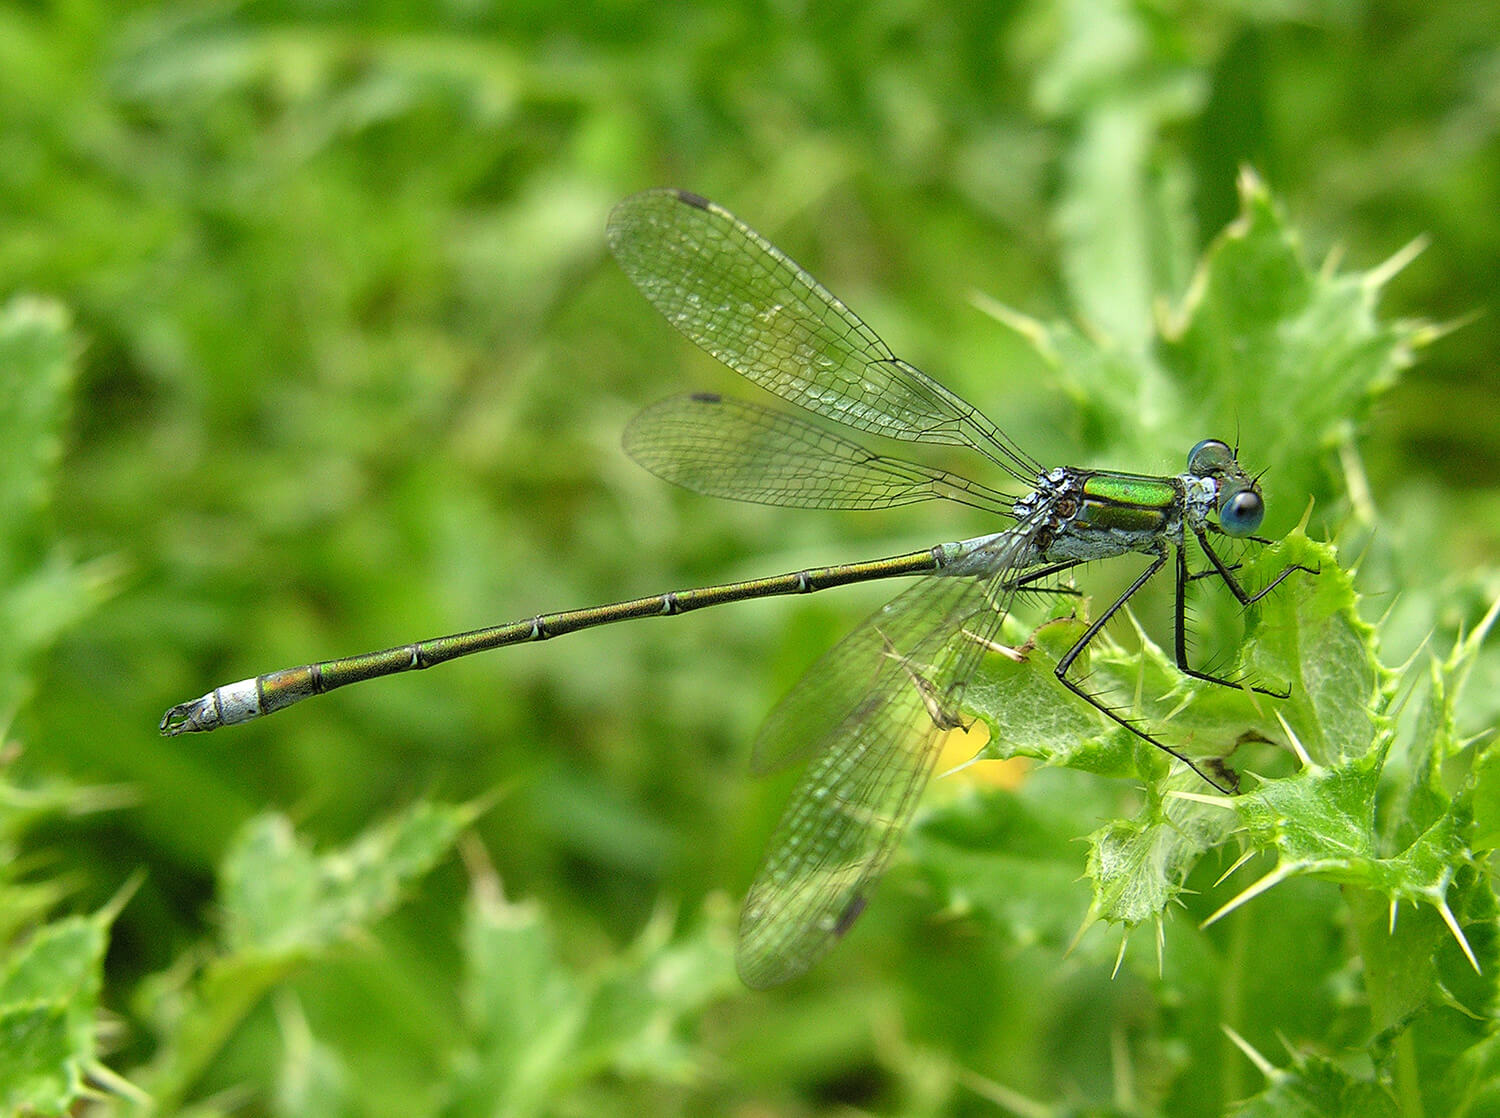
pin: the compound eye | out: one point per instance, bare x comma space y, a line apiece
1209, 457
1241, 512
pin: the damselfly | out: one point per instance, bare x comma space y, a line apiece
871, 712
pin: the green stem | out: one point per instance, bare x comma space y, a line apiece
1398, 974
1232, 1008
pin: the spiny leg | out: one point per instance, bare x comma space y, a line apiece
1225, 572
1229, 785
1179, 635
1024, 583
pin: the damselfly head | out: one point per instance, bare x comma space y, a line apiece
1238, 500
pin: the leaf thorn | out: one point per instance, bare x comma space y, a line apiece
1380, 275
1120, 955
1272, 879
1238, 862
1262, 1065
1458, 934
1294, 741
1089, 920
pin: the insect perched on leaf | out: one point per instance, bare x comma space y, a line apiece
869, 715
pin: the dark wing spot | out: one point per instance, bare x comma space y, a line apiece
707, 398
850, 914
692, 199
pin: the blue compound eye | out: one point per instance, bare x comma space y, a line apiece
1209, 457
1241, 512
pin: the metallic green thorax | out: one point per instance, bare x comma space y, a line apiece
1128, 502
1077, 516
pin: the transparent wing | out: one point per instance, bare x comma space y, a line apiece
744, 301
873, 710
729, 448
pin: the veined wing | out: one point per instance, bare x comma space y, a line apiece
874, 709
744, 301
729, 448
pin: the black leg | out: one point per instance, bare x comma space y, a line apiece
1225, 572
1024, 582
1229, 785
1179, 633
1194, 576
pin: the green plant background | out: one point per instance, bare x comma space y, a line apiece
328, 355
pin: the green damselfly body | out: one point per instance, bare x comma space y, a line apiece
869, 715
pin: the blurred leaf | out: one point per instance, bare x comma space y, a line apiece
540, 1029
281, 899
40, 1066
36, 352
41, 591
1316, 1087
50, 973
1006, 859
1487, 801
49, 1005
284, 906
313, 1078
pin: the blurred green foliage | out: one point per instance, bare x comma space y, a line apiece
312, 346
